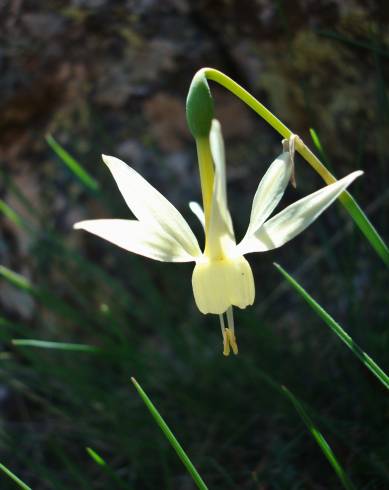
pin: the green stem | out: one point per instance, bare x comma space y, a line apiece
346, 199
270, 118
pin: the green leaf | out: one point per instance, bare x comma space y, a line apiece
82, 175
96, 457
56, 304
170, 437
317, 144
12, 215
107, 469
337, 329
16, 279
322, 443
13, 477
366, 227
44, 344
359, 217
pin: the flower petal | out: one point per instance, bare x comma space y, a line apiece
295, 218
220, 233
197, 210
150, 206
270, 191
218, 284
137, 237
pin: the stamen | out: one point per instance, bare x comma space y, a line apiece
226, 344
230, 331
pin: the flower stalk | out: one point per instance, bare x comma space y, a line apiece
359, 217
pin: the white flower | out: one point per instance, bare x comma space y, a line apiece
222, 277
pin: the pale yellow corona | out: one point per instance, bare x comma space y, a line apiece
222, 277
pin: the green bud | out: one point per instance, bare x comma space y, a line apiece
199, 106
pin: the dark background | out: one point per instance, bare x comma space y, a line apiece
111, 77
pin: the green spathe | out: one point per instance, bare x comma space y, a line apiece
199, 106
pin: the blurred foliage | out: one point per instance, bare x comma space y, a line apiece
112, 77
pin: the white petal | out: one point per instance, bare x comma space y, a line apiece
150, 206
220, 233
270, 191
137, 237
295, 218
219, 158
197, 210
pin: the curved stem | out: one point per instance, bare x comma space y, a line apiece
346, 199
227, 82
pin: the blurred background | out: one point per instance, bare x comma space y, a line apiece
112, 77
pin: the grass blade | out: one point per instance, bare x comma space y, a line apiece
13, 477
317, 144
16, 279
365, 225
355, 211
106, 468
72, 164
12, 215
322, 443
44, 344
96, 457
170, 437
54, 303
337, 329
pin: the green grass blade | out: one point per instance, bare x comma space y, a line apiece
337, 329
316, 141
72, 164
322, 443
44, 344
96, 457
11, 215
170, 437
16, 279
55, 304
13, 477
366, 227
359, 217
106, 468
317, 144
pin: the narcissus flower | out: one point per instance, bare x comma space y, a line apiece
222, 277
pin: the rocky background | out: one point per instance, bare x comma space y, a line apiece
112, 77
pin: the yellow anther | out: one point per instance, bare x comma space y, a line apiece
226, 346
232, 341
